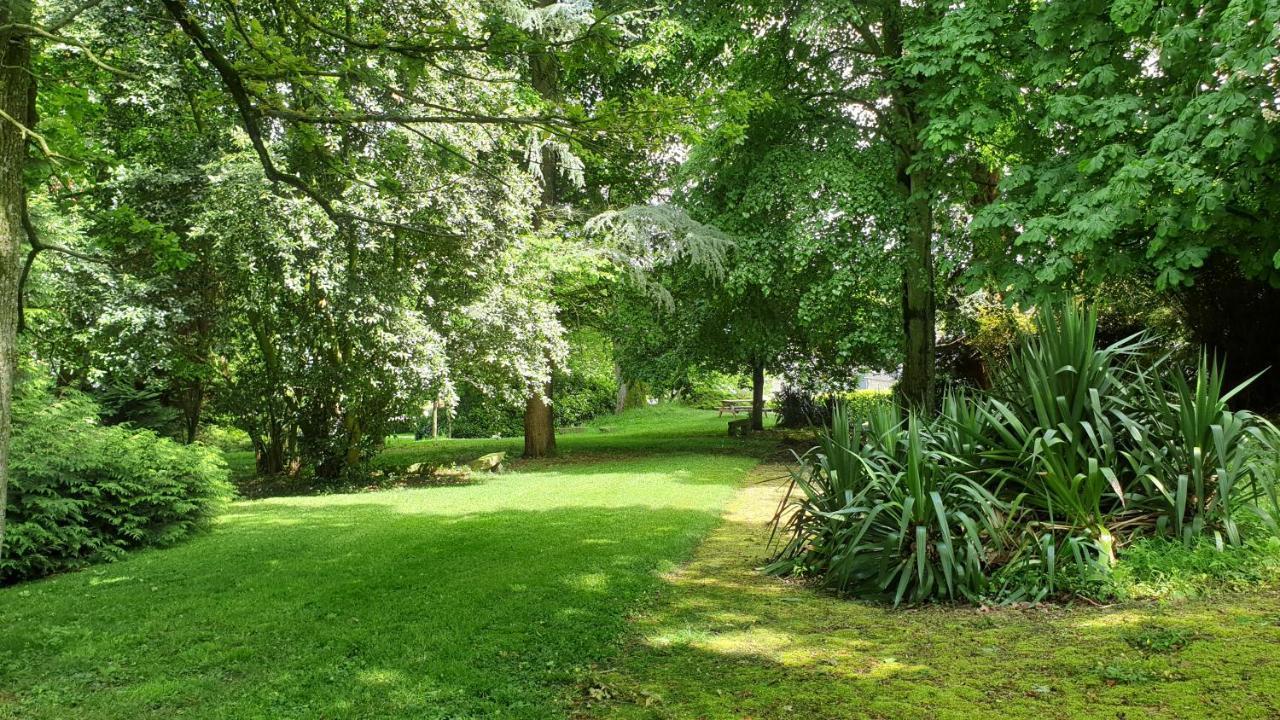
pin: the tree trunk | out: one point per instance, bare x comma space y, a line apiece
621, 404
539, 425
757, 395
918, 293
16, 100
192, 399
919, 301
539, 418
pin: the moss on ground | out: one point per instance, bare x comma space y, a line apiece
725, 641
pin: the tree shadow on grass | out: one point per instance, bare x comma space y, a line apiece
357, 610
727, 642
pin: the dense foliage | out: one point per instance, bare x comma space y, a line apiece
82, 492
1038, 485
325, 221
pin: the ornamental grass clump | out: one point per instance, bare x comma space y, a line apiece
1035, 487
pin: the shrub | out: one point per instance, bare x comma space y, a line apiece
799, 408
707, 388
481, 416
1038, 485
581, 397
80, 492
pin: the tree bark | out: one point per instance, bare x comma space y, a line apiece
919, 298
17, 102
757, 394
621, 403
539, 426
539, 418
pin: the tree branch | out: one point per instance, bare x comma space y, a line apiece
70, 42
70, 15
36, 248
34, 136
249, 115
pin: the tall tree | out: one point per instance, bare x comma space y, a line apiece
16, 129
1132, 141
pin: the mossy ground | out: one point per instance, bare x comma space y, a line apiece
725, 641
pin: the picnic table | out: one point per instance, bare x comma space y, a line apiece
733, 406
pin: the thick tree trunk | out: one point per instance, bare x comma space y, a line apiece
919, 299
757, 395
539, 418
16, 99
539, 426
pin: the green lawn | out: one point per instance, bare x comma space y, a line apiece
663, 428
477, 601
728, 642
560, 590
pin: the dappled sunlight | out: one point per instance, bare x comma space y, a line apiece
589, 582
479, 598
609, 486
781, 650
379, 677
97, 581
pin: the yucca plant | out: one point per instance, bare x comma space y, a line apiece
915, 528
1267, 476
1198, 461
1011, 494
1054, 424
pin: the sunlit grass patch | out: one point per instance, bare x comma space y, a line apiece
727, 642
478, 601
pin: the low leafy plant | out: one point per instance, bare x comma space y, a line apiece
81, 492
1155, 639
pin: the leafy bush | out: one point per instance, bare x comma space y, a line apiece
590, 388
581, 397
481, 416
862, 403
226, 438
707, 388
81, 492
1038, 486
800, 408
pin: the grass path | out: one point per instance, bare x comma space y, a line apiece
726, 642
482, 601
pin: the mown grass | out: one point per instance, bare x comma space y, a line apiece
479, 601
540, 594
727, 642
663, 428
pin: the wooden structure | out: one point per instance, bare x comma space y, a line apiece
735, 406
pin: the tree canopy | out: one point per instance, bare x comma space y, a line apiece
321, 221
